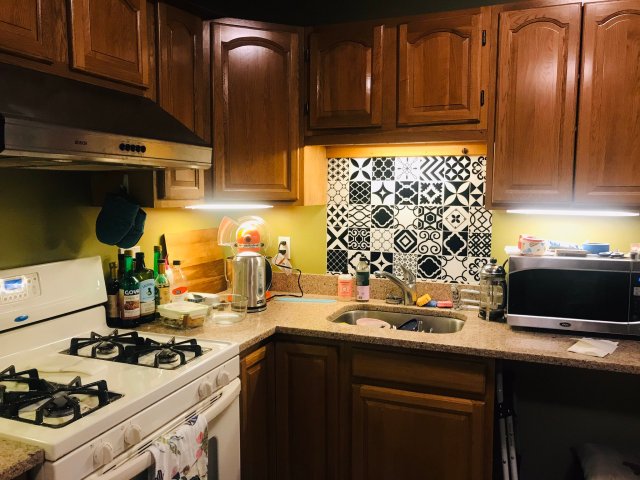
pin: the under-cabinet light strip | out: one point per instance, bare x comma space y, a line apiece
230, 206
578, 213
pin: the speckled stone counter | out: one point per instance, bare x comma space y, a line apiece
477, 337
17, 458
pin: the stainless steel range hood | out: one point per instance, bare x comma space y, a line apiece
51, 122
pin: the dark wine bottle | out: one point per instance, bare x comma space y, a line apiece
147, 290
113, 315
129, 296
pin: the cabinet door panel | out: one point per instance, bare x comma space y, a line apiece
439, 70
257, 131
607, 166
307, 407
346, 77
26, 28
109, 39
408, 435
536, 105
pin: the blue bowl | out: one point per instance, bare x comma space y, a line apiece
595, 248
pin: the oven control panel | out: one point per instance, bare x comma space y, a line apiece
19, 288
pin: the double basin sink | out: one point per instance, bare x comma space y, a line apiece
410, 321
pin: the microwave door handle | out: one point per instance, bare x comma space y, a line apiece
138, 464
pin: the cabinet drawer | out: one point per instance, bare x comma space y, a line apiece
441, 373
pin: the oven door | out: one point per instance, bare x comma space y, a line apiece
222, 411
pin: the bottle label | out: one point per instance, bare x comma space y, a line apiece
164, 295
362, 292
147, 297
179, 291
362, 278
112, 306
130, 304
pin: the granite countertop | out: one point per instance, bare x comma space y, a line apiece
477, 337
17, 458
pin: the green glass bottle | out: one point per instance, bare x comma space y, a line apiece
129, 296
113, 288
163, 290
157, 255
147, 290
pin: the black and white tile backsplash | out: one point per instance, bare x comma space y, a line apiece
425, 213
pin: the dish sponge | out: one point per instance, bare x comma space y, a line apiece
423, 300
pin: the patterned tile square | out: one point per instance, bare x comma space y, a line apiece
454, 243
382, 239
454, 269
407, 260
383, 168
480, 220
480, 245
429, 267
381, 262
407, 193
474, 266
456, 219
410, 216
456, 193
431, 169
338, 169
337, 215
383, 216
405, 241
476, 194
383, 192
432, 217
354, 258
457, 169
479, 168
360, 169
337, 238
430, 242
359, 193
407, 169
431, 193
337, 261
359, 239
338, 193
359, 216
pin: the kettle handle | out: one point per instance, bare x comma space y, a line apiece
503, 284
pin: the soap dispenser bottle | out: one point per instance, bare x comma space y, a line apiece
362, 280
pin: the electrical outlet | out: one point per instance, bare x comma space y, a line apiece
287, 240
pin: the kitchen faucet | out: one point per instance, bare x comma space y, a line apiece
408, 285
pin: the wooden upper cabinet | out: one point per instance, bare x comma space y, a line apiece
109, 39
536, 105
607, 160
345, 76
257, 131
26, 28
413, 436
181, 85
440, 69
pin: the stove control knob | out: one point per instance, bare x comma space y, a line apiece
223, 378
103, 454
205, 389
133, 435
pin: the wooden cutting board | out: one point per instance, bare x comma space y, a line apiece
201, 256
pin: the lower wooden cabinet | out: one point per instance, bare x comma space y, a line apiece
410, 435
339, 411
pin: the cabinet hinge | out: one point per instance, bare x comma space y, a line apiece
484, 37
307, 54
481, 98
306, 108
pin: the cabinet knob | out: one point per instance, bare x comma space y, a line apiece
133, 435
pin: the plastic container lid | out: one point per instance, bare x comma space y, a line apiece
175, 310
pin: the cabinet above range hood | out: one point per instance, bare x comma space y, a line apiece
51, 122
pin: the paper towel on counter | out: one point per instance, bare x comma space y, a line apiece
594, 347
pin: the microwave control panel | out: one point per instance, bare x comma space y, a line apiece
19, 288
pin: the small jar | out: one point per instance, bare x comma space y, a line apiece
345, 287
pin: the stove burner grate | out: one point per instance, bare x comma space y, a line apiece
166, 354
109, 347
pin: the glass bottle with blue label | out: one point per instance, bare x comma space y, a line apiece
147, 281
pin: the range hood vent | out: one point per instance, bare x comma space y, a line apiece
51, 122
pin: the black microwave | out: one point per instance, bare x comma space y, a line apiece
589, 294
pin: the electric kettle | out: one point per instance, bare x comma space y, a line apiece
493, 291
251, 277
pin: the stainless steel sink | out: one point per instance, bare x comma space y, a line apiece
423, 323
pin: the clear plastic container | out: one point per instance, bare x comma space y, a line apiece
231, 309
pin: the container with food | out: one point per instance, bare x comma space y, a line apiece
183, 314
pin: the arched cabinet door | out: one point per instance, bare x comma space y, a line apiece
607, 160
257, 134
440, 69
109, 39
26, 28
345, 76
536, 105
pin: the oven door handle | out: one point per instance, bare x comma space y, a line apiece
133, 466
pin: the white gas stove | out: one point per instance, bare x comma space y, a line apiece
94, 398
